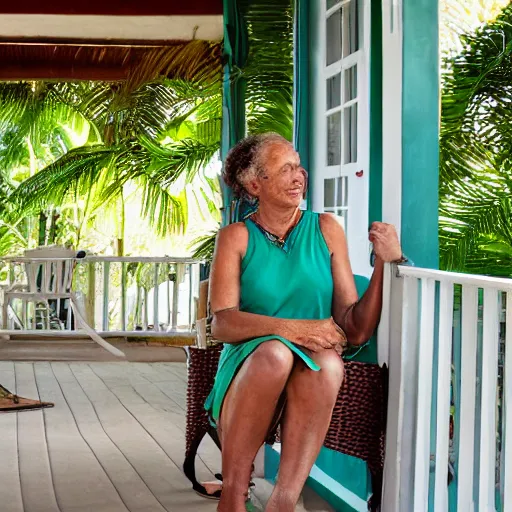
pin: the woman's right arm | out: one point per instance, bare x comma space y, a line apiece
234, 326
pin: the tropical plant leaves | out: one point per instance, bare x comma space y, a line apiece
475, 153
160, 129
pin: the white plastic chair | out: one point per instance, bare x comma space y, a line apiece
49, 273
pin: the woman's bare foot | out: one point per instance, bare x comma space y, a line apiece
232, 501
281, 502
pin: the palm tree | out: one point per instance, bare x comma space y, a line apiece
476, 149
157, 133
269, 69
91, 140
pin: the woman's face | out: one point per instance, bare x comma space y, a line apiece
283, 180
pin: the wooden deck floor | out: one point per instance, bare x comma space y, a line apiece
114, 442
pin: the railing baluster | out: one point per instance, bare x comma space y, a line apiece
385, 317
123, 295
168, 288
403, 355
490, 346
507, 445
443, 397
106, 286
408, 371
156, 323
11, 273
90, 305
175, 295
145, 309
467, 398
424, 401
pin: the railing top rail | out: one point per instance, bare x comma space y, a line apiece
142, 259
479, 281
112, 259
22, 259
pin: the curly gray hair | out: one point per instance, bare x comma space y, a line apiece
243, 162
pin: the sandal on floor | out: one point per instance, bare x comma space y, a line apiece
213, 490
210, 490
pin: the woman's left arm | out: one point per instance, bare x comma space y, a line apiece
358, 317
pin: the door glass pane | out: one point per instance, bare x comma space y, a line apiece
333, 35
350, 135
329, 186
332, 3
341, 192
336, 194
334, 91
350, 83
334, 139
343, 219
350, 28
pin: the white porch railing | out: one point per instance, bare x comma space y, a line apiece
444, 338
127, 295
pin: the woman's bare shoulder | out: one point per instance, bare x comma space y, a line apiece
329, 223
332, 231
234, 236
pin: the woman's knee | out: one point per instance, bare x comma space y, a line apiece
333, 368
275, 357
330, 378
319, 389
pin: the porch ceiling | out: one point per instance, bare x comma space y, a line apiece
99, 40
106, 62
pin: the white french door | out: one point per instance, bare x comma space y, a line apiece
341, 138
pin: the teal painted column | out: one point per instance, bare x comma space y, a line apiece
420, 129
375, 202
236, 50
301, 86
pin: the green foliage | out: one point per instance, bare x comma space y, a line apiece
475, 150
204, 247
67, 141
70, 150
269, 69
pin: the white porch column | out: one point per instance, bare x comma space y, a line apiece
392, 65
392, 37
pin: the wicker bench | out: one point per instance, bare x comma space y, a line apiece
357, 427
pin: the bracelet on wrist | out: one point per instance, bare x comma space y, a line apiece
403, 260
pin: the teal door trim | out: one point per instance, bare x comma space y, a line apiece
420, 132
236, 50
375, 202
301, 86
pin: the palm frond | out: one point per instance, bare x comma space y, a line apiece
475, 152
269, 69
204, 246
196, 60
474, 222
167, 213
76, 171
185, 158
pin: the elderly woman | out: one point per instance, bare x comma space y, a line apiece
284, 303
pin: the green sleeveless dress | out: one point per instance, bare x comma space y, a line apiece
293, 281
